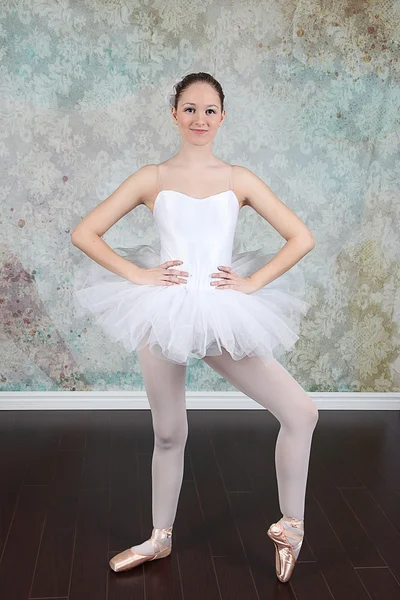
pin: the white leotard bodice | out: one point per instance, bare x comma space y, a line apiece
198, 231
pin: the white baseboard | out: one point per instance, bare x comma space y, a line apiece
194, 401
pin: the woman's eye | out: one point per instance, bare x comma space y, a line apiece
190, 108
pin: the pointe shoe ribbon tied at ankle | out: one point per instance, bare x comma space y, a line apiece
285, 557
129, 558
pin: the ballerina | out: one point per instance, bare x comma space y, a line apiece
197, 298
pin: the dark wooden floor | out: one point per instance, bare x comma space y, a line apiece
76, 489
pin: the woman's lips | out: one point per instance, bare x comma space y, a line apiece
200, 130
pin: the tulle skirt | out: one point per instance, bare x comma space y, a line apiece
181, 324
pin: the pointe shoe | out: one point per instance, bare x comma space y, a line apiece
128, 559
285, 558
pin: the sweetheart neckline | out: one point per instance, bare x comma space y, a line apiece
194, 198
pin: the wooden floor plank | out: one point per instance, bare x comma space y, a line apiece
352, 536
380, 583
378, 527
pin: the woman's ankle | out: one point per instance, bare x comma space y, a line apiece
160, 540
294, 532
293, 522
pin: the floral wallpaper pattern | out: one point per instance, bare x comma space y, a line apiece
313, 101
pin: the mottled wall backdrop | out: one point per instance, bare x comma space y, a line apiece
312, 92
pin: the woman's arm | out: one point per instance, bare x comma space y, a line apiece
87, 235
299, 238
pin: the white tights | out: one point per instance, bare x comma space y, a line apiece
266, 382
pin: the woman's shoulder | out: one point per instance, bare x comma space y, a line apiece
241, 170
242, 176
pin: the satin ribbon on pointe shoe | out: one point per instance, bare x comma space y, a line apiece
128, 559
285, 558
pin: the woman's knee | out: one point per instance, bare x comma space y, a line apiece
310, 413
302, 415
171, 437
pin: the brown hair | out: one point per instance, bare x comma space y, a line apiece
194, 78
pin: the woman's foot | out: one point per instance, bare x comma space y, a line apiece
287, 535
158, 546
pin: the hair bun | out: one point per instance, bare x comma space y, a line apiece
171, 88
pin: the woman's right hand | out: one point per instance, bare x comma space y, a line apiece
161, 275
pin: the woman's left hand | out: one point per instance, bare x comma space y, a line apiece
232, 281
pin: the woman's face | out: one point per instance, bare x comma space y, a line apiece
199, 108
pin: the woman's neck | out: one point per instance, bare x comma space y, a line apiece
195, 156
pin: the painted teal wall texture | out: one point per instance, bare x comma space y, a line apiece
312, 99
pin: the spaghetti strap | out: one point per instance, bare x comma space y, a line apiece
159, 178
230, 177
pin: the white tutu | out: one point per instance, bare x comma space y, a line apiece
181, 324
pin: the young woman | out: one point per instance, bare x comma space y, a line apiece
196, 298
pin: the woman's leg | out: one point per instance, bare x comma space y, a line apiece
165, 387
271, 385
